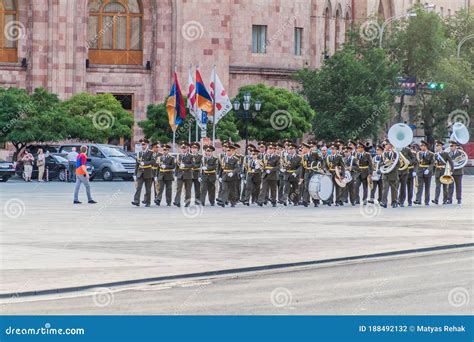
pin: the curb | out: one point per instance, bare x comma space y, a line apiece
231, 271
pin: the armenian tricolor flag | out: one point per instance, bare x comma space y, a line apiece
203, 99
175, 105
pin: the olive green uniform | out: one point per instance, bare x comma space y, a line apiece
230, 165
291, 177
457, 175
165, 178
390, 179
197, 158
330, 164
184, 176
270, 179
426, 161
144, 175
208, 179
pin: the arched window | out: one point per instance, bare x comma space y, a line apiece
347, 24
327, 30
115, 33
337, 41
10, 31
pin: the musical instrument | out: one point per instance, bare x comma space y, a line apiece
446, 178
404, 162
341, 181
460, 133
389, 165
320, 187
400, 135
347, 173
461, 160
375, 176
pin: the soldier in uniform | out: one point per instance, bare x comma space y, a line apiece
209, 175
253, 178
184, 175
330, 163
237, 190
457, 174
308, 163
425, 171
221, 157
281, 152
155, 147
167, 166
363, 170
246, 159
230, 169
377, 178
441, 160
271, 163
412, 170
390, 179
403, 176
197, 158
291, 175
144, 173
350, 162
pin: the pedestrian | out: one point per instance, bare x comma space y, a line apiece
27, 160
40, 162
71, 159
82, 177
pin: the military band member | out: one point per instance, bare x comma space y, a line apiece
253, 177
155, 147
412, 170
210, 164
350, 162
310, 161
197, 157
230, 169
390, 179
442, 159
425, 171
246, 159
291, 169
333, 161
403, 174
221, 157
238, 180
455, 152
377, 175
167, 166
184, 175
271, 163
281, 152
144, 173
363, 168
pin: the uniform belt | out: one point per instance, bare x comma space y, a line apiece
228, 171
411, 167
441, 167
290, 171
196, 169
166, 170
363, 167
209, 172
185, 169
154, 168
268, 167
252, 172
145, 167
424, 165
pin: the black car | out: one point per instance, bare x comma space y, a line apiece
56, 166
7, 170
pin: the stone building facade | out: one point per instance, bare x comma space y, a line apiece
130, 47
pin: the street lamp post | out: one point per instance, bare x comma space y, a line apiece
246, 115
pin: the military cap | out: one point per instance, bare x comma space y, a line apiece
306, 145
379, 147
209, 147
439, 142
453, 142
252, 146
184, 144
144, 141
361, 144
262, 143
155, 143
423, 142
292, 144
231, 147
236, 145
195, 144
166, 147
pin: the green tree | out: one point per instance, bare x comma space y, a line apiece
25, 118
97, 117
350, 93
284, 114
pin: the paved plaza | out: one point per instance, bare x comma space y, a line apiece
48, 243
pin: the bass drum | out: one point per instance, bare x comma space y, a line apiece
320, 187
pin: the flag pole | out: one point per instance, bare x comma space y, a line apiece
174, 130
214, 110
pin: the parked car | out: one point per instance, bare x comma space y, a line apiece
7, 170
33, 149
109, 161
56, 166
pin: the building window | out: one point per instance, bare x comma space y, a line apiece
10, 32
347, 22
298, 40
115, 32
327, 30
337, 41
259, 39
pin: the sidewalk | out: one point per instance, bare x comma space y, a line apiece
53, 244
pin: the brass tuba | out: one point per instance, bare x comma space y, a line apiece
404, 162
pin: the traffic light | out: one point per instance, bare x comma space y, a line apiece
432, 86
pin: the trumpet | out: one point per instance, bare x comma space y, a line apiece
446, 178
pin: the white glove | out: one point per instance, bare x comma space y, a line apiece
142, 164
231, 174
283, 170
220, 179
245, 181
257, 167
199, 179
426, 172
134, 178
414, 174
181, 165
268, 172
156, 179
293, 174
204, 168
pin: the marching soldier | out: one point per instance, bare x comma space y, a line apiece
253, 178
209, 175
441, 160
197, 158
377, 176
291, 175
230, 169
309, 163
333, 161
454, 153
155, 147
238, 180
281, 152
246, 159
363, 168
390, 179
221, 157
403, 175
167, 166
425, 171
144, 173
271, 164
184, 175
350, 163
412, 170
